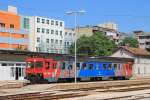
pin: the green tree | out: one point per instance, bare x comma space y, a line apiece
95, 45
130, 41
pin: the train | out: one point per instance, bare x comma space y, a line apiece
40, 69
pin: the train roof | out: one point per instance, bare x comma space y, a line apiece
70, 57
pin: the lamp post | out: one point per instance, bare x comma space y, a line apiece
75, 13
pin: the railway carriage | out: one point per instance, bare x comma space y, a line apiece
50, 70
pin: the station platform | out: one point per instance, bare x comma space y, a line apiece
12, 84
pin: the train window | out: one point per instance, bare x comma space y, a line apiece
30, 64
119, 67
97, 67
70, 67
54, 66
115, 66
47, 65
84, 66
130, 66
110, 66
104, 66
38, 64
91, 66
63, 65
78, 66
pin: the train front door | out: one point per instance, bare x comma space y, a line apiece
17, 73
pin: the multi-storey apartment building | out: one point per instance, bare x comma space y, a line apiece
46, 35
69, 39
12, 36
144, 41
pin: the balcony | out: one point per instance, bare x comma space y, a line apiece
9, 30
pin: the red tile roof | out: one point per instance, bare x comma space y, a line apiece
137, 51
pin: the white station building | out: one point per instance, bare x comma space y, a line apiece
141, 66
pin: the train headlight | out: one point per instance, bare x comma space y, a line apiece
45, 73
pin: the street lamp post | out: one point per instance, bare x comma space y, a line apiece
75, 13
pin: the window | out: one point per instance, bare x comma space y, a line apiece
38, 20
61, 24
109, 66
65, 33
78, 66
38, 39
138, 70
2, 25
52, 22
43, 30
119, 67
52, 31
23, 35
43, 21
18, 64
47, 31
19, 72
115, 66
30, 64
38, 30
47, 65
67, 43
54, 66
70, 34
52, 40
11, 26
56, 23
12, 70
91, 66
60, 33
60, 41
26, 23
10, 64
84, 66
47, 21
38, 64
56, 41
70, 67
4, 64
56, 32
47, 40
97, 67
104, 66
63, 66
23, 72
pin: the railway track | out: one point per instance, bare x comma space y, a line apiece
81, 92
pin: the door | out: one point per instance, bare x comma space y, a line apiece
17, 73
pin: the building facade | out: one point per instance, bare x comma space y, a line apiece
141, 58
69, 39
109, 25
144, 41
12, 37
46, 35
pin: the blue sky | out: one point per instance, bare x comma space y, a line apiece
130, 15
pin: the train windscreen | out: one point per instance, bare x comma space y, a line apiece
35, 64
